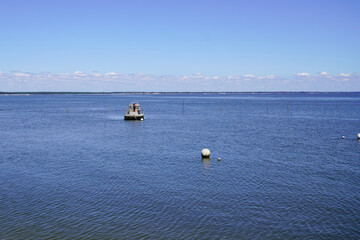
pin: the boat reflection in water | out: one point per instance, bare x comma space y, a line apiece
134, 112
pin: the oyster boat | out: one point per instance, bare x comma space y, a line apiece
134, 112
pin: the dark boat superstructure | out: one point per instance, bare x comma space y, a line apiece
134, 112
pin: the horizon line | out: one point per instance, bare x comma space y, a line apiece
162, 92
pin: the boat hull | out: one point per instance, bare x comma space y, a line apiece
134, 117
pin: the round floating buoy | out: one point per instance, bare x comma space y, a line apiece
205, 153
343, 137
219, 159
358, 136
141, 119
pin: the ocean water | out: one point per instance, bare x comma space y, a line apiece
71, 167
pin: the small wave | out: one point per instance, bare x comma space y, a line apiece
115, 117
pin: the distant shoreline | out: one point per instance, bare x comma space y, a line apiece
165, 93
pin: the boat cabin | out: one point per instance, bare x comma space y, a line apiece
134, 112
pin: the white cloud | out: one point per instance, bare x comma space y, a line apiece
21, 75
344, 74
111, 81
110, 74
197, 76
79, 74
267, 77
303, 74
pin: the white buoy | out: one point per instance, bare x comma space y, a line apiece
343, 137
141, 119
219, 159
358, 136
205, 153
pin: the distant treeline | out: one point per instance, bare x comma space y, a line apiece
155, 93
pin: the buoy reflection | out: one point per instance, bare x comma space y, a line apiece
205, 162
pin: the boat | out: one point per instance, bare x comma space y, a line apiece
134, 112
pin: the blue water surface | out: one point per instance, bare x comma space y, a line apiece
71, 167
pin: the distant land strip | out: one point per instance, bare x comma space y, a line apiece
165, 93
162, 93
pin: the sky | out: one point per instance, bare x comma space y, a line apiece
187, 45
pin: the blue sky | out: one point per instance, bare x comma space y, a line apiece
108, 45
